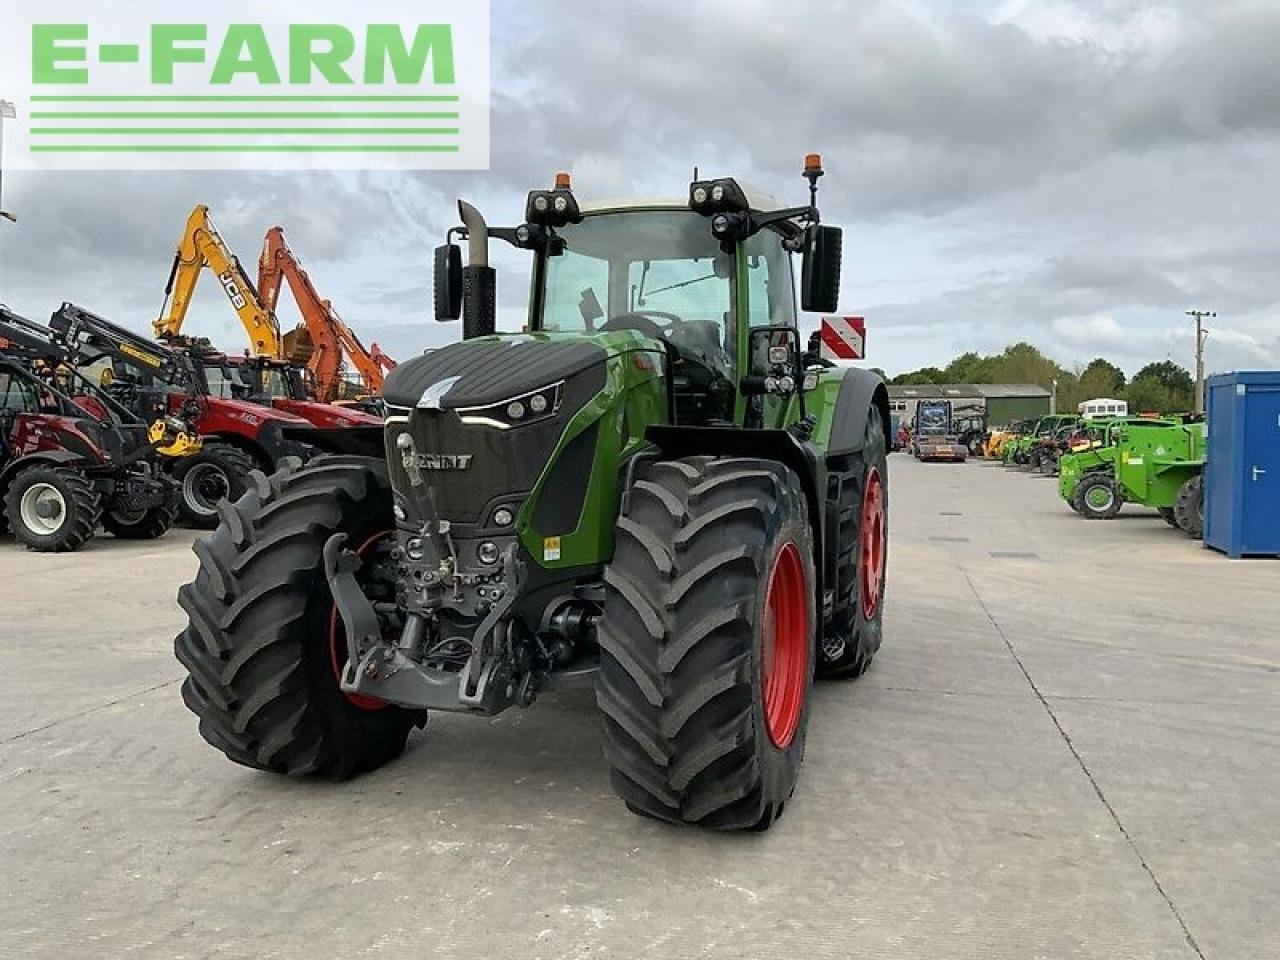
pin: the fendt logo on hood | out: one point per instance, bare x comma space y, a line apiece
445, 461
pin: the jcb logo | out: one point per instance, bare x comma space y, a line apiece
233, 290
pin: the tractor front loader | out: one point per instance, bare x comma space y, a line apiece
71, 456
241, 431
654, 490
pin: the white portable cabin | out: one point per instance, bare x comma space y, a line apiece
1104, 407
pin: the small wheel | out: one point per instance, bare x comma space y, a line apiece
1097, 498
218, 472
148, 524
52, 509
1188, 508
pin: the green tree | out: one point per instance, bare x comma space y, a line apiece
1102, 378
970, 368
1176, 389
1147, 395
921, 376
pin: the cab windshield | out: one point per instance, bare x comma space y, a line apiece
661, 272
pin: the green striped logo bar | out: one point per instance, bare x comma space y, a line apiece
404, 86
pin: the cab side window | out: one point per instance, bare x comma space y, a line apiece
17, 395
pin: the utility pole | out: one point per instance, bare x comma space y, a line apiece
7, 112
1201, 335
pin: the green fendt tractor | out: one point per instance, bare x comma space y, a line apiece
654, 490
1153, 463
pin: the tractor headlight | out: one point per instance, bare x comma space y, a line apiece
717, 196
552, 208
527, 408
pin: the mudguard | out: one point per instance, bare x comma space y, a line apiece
56, 458
861, 391
806, 459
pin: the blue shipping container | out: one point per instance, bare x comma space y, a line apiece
1242, 468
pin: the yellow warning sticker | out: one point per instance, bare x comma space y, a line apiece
551, 548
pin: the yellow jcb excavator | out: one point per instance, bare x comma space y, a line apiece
202, 246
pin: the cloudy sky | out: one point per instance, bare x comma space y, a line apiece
1076, 174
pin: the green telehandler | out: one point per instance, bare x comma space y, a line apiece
1149, 462
654, 490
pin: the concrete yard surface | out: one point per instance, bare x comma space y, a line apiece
1069, 747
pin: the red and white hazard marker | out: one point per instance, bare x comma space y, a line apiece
844, 338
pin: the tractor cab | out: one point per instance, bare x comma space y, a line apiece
703, 284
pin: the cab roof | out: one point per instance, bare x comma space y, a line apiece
758, 200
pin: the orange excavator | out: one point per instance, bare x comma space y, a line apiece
333, 344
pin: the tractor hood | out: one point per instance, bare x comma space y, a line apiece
487, 370
248, 412
456, 448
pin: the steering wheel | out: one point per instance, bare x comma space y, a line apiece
644, 321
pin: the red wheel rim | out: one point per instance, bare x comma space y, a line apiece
872, 553
786, 646
338, 639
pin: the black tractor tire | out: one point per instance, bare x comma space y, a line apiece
853, 634
61, 488
1097, 498
262, 677
148, 525
1168, 516
219, 471
702, 545
1188, 508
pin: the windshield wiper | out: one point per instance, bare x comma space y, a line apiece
682, 283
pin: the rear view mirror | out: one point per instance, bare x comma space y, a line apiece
448, 282
820, 272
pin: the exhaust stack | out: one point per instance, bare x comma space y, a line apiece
479, 280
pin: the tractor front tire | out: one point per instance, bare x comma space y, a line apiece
263, 647
52, 509
853, 634
1188, 508
707, 642
219, 471
1097, 497
1168, 516
144, 525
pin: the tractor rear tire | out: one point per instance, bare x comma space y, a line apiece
147, 525
52, 509
1097, 498
707, 642
1188, 508
1168, 516
218, 472
853, 634
263, 648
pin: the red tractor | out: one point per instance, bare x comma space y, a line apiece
72, 457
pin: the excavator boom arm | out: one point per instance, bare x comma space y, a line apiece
331, 338
202, 246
